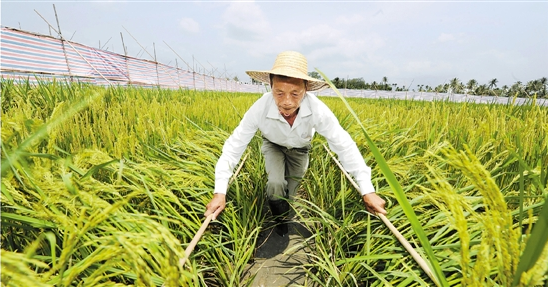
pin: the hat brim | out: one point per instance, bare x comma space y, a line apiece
264, 77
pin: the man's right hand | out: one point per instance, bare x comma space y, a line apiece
216, 205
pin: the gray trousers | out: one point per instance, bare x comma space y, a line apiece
285, 169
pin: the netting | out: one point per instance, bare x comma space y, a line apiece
28, 56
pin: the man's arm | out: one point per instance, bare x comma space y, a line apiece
233, 149
350, 157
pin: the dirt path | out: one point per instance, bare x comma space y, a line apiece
274, 268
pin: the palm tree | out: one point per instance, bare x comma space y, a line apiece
439, 89
471, 86
456, 85
482, 90
384, 82
516, 89
544, 82
492, 84
504, 91
533, 87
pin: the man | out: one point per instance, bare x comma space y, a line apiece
288, 117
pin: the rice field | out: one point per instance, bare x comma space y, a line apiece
106, 186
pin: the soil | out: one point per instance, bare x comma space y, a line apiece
279, 261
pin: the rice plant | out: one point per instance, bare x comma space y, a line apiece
107, 186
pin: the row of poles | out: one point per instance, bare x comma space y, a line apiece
157, 65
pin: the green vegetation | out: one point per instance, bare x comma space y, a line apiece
535, 88
107, 186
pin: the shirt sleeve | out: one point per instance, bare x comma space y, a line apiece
346, 149
234, 147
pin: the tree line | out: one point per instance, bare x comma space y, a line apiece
532, 88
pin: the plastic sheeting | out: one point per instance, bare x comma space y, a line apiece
424, 96
29, 56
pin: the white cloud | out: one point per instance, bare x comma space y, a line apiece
245, 22
263, 34
189, 25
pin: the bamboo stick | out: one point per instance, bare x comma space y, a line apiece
422, 263
126, 59
83, 58
195, 240
145, 50
206, 222
187, 66
198, 235
156, 61
62, 43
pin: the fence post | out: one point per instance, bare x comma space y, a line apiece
156, 62
177, 70
62, 43
126, 59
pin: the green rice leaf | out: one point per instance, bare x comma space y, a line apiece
535, 245
398, 192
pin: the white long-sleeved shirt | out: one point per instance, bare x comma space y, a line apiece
314, 116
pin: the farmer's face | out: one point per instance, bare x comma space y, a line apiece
288, 94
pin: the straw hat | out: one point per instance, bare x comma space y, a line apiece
291, 64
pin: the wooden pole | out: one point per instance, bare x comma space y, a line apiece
155, 61
62, 43
177, 70
399, 236
101, 47
200, 232
83, 58
145, 50
193, 74
205, 83
188, 67
195, 240
126, 59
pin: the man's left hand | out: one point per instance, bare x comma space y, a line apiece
374, 204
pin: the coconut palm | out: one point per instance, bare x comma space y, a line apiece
504, 91
492, 84
456, 85
471, 86
440, 89
516, 89
544, 82
533, 88
482, 90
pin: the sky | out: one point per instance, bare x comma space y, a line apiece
408, 42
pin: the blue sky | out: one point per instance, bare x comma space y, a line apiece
408, 42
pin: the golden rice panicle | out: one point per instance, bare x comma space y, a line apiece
453, 204
498, 220
16, 270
